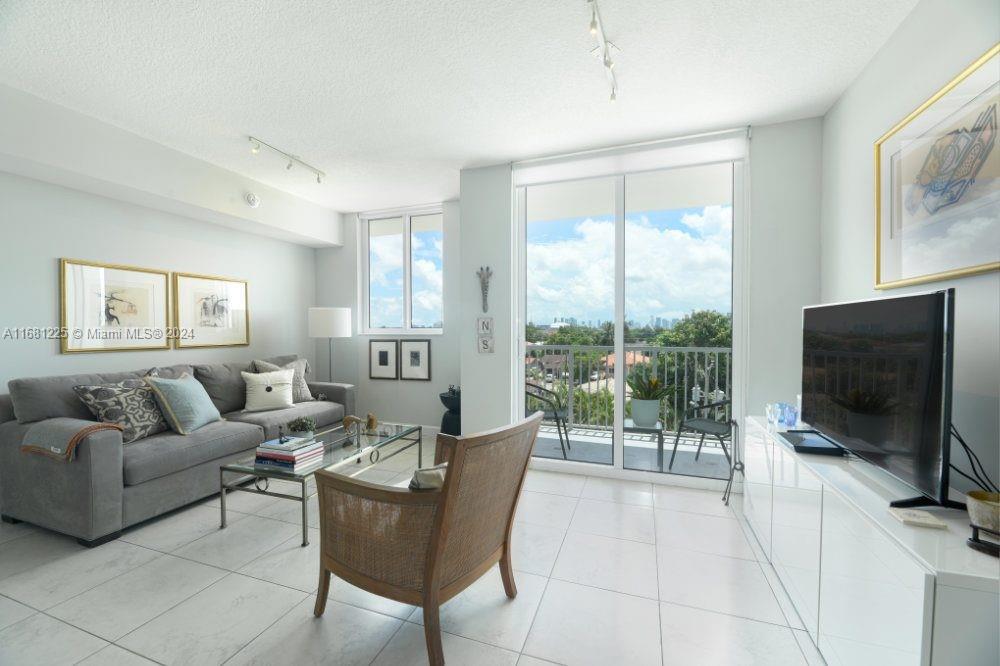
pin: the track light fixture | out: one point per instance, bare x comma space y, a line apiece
603, 50
255, 148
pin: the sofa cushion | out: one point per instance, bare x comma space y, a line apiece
225, 385
172, 371
300, 368
268, 391
37, 398
129, 403
184, 403
169, 452
324, 413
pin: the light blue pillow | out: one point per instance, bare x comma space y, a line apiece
184, 402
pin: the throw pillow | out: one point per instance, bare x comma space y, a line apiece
129, 403
429, 478
300, 366
268, 390
184, 402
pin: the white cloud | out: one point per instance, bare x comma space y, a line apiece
668, 271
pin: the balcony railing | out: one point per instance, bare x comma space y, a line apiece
583, 377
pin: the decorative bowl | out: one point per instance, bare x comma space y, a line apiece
984, 509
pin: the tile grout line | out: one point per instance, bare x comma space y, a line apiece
548, 579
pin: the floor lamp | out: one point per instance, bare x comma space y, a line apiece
330, 323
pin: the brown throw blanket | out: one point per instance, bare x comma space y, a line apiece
57, 438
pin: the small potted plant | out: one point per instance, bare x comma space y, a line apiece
303, 426
647, 392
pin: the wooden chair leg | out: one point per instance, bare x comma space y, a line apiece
324, 590
432, 634
507, 573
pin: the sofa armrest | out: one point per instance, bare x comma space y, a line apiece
81, 497
342, 393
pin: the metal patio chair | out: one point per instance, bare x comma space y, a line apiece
706, 427
553, 409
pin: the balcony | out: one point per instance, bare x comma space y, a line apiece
582, 379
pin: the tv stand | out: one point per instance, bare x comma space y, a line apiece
869, 589
926, 501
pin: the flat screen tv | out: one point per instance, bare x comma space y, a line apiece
876, 380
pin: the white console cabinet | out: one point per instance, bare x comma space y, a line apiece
868, 589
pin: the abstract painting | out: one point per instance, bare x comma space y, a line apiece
383, 359
416, 360
108, 307
938, 183
210, 311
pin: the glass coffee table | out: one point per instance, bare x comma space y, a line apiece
340, 449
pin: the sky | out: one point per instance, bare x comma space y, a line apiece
676, 261
386, 279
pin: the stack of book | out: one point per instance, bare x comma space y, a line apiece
293, 455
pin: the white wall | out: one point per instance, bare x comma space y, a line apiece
783, 255
49, 142
486, 204
41, 222
937, 40
391, 400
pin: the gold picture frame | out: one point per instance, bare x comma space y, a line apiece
216, 311
112, 307
884, 173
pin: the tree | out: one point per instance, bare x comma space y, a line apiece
700, 328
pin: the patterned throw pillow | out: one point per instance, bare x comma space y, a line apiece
129, 403
300, 366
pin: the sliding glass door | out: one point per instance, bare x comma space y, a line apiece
569, 332
678, 320
627, 312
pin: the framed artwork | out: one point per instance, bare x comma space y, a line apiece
937, 184
210, 311
415, 360
383, 357
109, 307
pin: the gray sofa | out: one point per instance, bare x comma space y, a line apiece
107, 485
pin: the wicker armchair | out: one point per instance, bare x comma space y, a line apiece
424, 547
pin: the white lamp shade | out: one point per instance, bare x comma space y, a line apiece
330, 322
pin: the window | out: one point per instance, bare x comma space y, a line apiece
402, 272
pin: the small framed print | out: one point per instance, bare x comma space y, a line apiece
383, 359
486, 344
415, 360
484, 326
210, 311
107, 307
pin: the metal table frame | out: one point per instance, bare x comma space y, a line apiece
264, 475
630, 426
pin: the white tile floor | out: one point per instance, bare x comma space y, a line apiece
608, 572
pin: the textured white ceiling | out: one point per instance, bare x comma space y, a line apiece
392, 98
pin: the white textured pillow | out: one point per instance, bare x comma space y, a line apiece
268, 390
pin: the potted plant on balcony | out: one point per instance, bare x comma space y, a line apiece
302, 427
647, 392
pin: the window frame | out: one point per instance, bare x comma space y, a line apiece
364, 269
